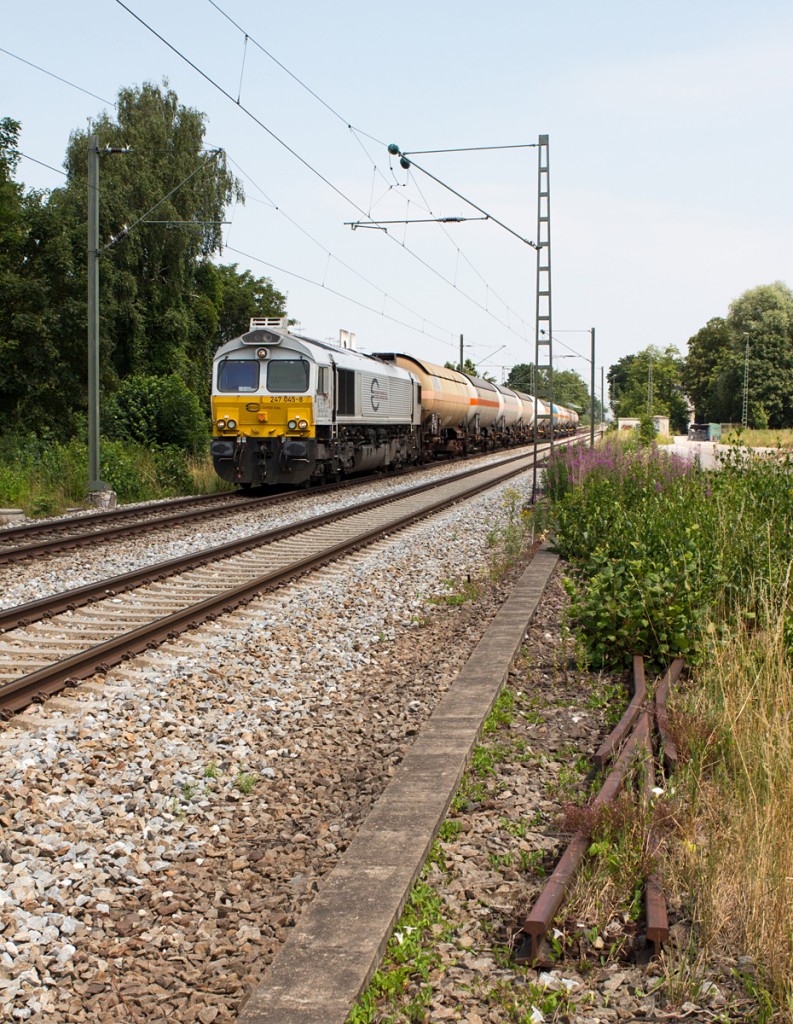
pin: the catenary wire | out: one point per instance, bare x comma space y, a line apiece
332, 255
53, 75
318, 173
41, 162
333, 291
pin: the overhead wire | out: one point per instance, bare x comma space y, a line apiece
302, 159
278, 208
357, 132
291, 74
53, 75
41, 162
470, 264
333, 291
122, 234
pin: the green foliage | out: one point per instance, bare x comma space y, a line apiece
757, 335
244, 782
46, 477
157, 410
164, 305
646, 431
660, 547
469, 367
569, 387
629, 385
708, 376
409, 962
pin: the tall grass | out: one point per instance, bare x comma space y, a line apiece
740, 769
46, 477
669, 561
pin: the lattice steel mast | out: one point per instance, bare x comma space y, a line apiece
543, 333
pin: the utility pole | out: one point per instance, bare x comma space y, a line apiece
592, 392
650, 388
462, 364
95, 484
602, 403
745, 409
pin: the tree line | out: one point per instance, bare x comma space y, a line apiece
165, 305
752, 345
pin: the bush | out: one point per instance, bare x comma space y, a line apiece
46, 477
660, 547
157, 410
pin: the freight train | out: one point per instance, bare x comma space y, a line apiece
292, 410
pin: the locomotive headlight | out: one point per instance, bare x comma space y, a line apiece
292, 424
262, 353
221, 424
302, 424
231, 424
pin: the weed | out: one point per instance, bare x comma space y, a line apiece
245, 781
449, 831
502, 713
402, 984
211, 771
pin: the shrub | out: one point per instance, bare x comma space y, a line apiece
660, 547
157, 410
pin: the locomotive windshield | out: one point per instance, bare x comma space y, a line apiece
238, 375
287, 375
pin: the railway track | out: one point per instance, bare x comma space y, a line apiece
32, 540
19, 543
71, 636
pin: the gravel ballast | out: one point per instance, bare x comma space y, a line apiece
162, 829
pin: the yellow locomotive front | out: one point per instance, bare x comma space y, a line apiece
263, 424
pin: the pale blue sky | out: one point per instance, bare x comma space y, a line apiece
671, 153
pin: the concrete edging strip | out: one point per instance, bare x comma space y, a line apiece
338, 943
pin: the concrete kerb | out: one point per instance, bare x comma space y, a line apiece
338, 943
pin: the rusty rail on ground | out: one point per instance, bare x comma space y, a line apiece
633, 733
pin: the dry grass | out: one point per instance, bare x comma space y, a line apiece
738, 860
759, 438
204, 477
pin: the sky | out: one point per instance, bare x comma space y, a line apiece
670, 155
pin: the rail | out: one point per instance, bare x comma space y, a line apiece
632, 734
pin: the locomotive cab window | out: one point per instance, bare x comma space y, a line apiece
238, 375
287, 375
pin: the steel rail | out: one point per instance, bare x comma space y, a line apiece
105, 515
46, 607
639, 721
617, 735
144, 519
657, 918
40, 684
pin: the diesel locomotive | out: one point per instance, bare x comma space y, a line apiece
291, 410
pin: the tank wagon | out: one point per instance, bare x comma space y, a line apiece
463, 413
290, 410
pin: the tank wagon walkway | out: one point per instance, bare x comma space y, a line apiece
337, 944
